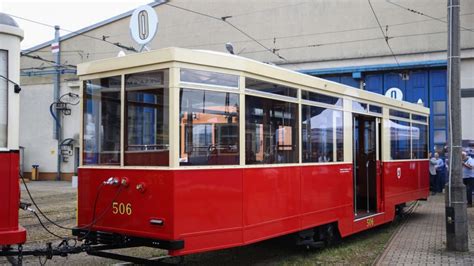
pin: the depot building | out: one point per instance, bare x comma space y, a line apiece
404, 58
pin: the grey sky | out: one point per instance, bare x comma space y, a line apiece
68, 14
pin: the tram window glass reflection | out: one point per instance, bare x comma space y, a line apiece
400, 135
321, 98
147, 125
102, 121
420, 118
419, 137
322, 134
209, 128
399, 114
3, 98
359, 107
375, 109
271, 130
268, 87
209, 78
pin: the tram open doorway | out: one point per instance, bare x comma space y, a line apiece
366, 154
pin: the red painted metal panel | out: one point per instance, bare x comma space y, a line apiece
271, 199
218, 208
10, 232
155, 202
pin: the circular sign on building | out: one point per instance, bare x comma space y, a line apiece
143, 24
394, 93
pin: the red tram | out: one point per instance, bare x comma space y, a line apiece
192, 151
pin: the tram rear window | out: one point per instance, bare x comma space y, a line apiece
209, 128
209, 78
271, 131
400, 135
147, 125
268, 87
102, 121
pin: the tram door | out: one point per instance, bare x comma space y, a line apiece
366, 143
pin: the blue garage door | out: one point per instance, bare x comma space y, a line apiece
426, 85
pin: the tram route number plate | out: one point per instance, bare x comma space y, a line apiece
120, 208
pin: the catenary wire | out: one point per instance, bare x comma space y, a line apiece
129, 48
384, 35
424, 14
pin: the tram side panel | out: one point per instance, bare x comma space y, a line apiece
404, 181
327, 196
208, 209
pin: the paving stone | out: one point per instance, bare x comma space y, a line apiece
421, 239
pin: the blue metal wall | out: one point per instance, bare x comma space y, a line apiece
427, 84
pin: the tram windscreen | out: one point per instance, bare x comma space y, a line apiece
102, 121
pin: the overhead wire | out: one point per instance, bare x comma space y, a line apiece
424, 14
129, 48
225, 20
383, 33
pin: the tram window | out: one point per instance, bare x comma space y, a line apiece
321, 98
268, 87
208, 77
209, 128
399, 114
147, 125
271, 129
420, 118
375, 109
400, 133
359, 107
320, 127
102, 121
3, 98
419, 138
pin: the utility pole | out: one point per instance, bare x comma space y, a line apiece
56, 81
456, 212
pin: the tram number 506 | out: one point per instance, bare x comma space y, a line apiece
121, 208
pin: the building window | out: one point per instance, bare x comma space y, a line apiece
209, 128
268, 87
322, 134
3, 98
271, 131
419, 138
400, 133
147, 124
209, 78
102, 121
439, 136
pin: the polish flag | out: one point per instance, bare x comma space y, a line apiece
55, 47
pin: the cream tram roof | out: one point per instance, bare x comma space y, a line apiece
235, 63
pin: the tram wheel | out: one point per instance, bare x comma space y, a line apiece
331, 235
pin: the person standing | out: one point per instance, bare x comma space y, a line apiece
433, 180
439, 173
468, 176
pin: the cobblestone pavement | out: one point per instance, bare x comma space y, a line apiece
422, 238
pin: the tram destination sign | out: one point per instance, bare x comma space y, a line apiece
143, 25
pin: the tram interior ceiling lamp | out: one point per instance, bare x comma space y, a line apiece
16, 87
